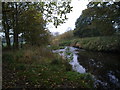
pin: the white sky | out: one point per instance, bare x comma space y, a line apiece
78, 6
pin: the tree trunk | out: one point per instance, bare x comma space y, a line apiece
16, 43
7, 39
6, 27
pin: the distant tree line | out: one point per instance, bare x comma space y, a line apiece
99, 19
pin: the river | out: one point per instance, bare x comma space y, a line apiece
105, 67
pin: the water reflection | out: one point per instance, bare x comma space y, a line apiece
75, 64
104, 66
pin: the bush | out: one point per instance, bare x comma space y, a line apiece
67, 35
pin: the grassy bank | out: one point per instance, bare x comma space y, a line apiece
37, 67
97, 43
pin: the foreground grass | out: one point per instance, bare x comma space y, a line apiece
40, 68
106, 43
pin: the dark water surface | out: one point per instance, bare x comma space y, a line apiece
104, 66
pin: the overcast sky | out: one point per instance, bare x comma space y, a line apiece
78, 6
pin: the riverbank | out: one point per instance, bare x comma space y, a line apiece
104, 44
38, 67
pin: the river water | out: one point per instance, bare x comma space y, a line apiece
105, 67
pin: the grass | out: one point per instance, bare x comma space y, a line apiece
55, 47
38, 67
101, 43
65, 43
104, 43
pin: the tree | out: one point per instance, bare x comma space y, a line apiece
67, 35
51, 11
32, 27
5, 24
97, 20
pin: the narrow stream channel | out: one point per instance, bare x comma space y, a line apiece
75, 64
104, 66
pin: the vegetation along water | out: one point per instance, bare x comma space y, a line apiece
84, 57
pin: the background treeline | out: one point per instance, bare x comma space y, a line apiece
99, 19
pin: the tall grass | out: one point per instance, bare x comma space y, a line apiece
104, 43
108, 43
